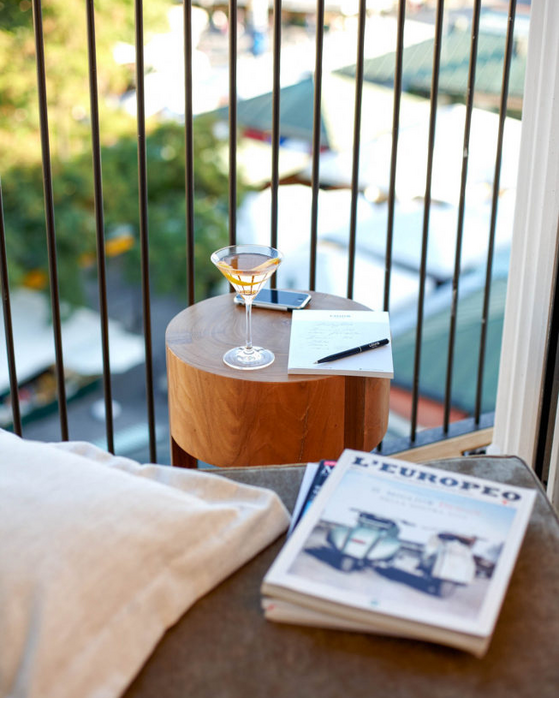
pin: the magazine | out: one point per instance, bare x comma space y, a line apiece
310, 485
306, 481
396, 548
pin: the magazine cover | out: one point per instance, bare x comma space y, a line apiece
306, 481
310, 490
393, 541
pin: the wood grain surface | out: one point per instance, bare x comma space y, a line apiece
228, 417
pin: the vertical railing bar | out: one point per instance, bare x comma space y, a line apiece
99, 222
189, 150
8, 327
394, 155
143, 202
316, 144
461, 212
427, 207
232, 122
398, 71
494, 204
49, 216
276, 94
356, 146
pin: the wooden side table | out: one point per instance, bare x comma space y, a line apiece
228, 417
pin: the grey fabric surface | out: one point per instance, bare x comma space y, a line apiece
223, 647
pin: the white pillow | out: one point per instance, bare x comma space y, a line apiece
100, 555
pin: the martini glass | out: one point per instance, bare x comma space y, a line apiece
247, 267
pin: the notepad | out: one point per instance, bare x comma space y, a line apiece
318, 333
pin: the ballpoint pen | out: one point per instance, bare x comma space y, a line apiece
353, 351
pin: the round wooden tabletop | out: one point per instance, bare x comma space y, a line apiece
229, 417
201, 334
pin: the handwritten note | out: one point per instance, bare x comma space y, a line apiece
317, 333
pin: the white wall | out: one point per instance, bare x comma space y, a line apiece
534, 248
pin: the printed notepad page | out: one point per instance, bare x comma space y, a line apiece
318, 333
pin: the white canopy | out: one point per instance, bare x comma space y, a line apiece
294, 231
375, 156
443, 222
81, 341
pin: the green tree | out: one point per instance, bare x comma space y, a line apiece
75, 218
64, 24
66, 59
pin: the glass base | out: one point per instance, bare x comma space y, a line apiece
239, 359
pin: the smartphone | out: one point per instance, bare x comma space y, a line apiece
278, 299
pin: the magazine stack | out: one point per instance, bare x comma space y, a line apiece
385, 546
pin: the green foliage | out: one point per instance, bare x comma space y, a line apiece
66, 60
167, 204
75, 212
66, 57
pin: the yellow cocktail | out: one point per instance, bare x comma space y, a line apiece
247, 267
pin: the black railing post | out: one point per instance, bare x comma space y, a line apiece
316, 145
99, 222
8, 328
144, 242
232, 122
394, 155
189, 150
49, 216
461, 212
356, 146
427, 208
494, 203
276, 131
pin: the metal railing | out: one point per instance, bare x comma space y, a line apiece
446, 431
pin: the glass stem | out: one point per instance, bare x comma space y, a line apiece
248, 344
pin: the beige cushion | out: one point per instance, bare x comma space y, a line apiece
99, 555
